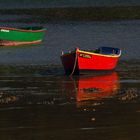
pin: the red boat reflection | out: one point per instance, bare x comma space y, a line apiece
97, 87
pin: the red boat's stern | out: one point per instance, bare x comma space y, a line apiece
69, 62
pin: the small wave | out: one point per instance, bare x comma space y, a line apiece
87, 128
130, 81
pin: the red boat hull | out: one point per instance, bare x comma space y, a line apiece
81, 61
96, 62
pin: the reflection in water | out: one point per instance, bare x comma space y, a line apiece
83, 90
57, 107
96, 90
97, 87
93, 90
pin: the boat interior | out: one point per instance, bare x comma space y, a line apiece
108, 51
32, 28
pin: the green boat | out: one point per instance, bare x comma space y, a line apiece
21, 36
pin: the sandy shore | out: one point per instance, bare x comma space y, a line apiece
80, 13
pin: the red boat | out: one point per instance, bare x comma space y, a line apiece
103, 58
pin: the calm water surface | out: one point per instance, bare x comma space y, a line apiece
37, 101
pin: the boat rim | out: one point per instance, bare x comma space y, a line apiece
99, 54
22, 30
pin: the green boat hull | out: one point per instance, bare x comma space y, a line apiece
22, 35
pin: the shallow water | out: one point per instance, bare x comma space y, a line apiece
37, 101
69, 35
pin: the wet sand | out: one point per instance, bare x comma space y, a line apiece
38, 105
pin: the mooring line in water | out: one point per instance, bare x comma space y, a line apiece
75, 62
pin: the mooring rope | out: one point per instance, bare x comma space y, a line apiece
75, 62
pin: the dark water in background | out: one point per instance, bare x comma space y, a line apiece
37, 101
64, 3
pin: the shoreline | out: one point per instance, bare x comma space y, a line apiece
79, 13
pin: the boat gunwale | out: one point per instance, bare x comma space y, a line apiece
22, 30
68, 53
99, 54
